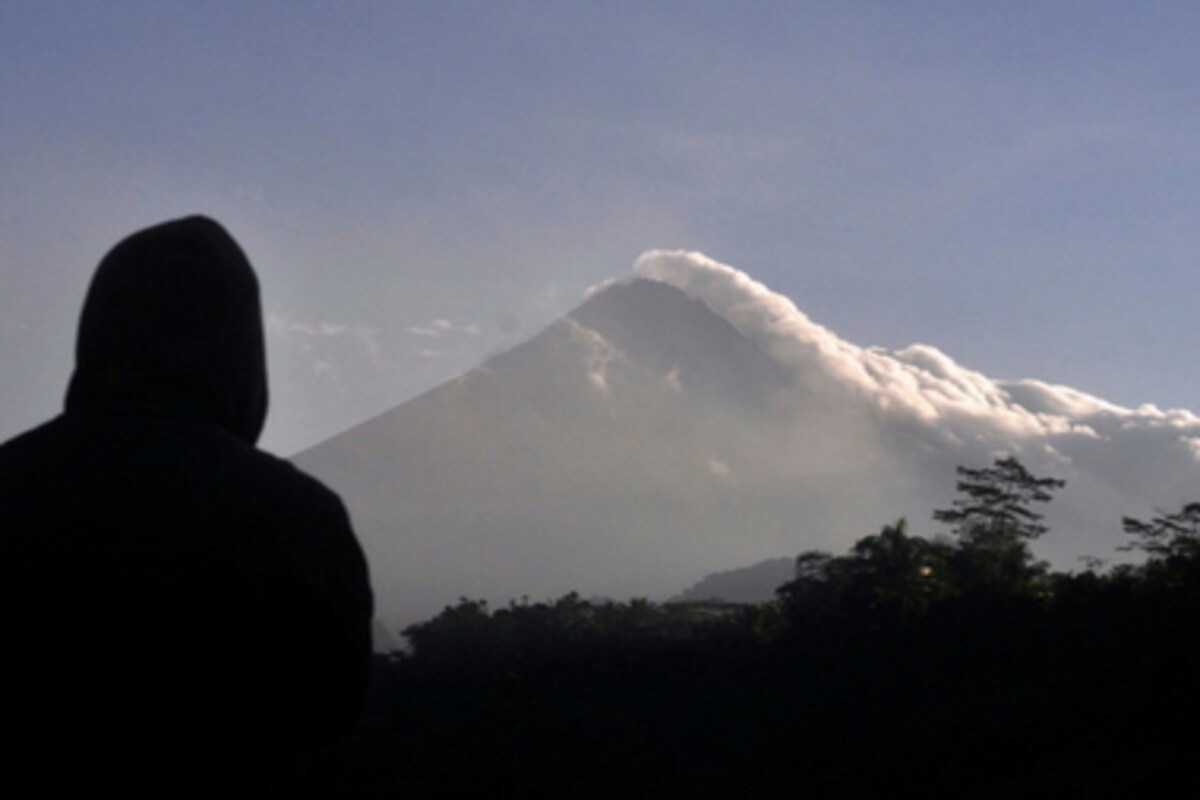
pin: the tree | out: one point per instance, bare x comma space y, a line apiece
898, 573
888, 577
996, 509
1167, 535
994, 525
812, 587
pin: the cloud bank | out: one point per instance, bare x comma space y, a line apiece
918, 382
1143, 455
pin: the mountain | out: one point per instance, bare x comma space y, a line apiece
689, 421
753, 584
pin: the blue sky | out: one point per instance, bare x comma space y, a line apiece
422, 184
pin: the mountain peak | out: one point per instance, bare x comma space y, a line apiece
660, 327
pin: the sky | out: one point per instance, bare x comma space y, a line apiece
422, 184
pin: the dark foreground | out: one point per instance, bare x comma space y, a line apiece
908, 667
1092, 693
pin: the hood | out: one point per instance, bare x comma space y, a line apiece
172, 324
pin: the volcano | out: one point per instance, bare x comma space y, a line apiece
688, 421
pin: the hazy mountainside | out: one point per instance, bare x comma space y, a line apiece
691, 421
569, 463
753, 584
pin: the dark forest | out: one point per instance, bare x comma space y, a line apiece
958, 665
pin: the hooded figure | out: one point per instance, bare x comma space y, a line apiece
182, 612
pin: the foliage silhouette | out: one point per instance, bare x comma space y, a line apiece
994, 524
1167, 536
996, 510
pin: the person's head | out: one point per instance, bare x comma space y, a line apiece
173, 323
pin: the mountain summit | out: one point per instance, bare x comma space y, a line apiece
690, 421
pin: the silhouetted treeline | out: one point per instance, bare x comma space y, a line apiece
941, 667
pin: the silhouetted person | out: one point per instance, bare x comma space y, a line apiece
182, 613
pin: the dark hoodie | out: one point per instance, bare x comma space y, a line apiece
183, 613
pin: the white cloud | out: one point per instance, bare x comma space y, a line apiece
918, 383
443, 327
718, 467
600, 353
305, 335
596, 288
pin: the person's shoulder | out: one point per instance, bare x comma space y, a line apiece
314, 523
35, 444
24, 439
290, 484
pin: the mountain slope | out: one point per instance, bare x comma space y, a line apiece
690, 421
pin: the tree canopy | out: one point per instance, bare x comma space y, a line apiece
996, 508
